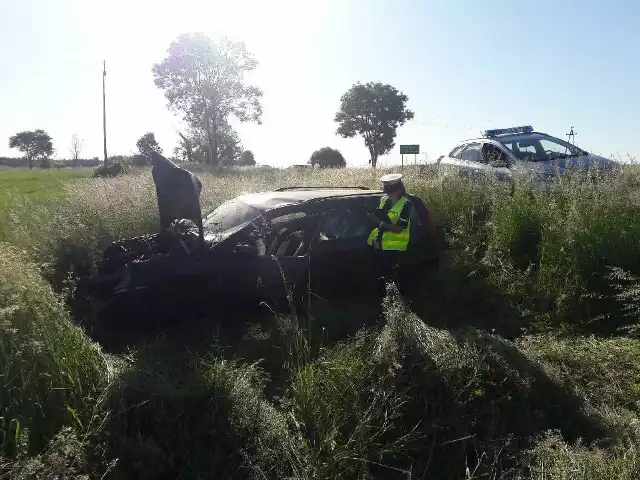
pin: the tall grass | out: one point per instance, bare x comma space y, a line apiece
51, 373
404, 399
182, 416
413, 401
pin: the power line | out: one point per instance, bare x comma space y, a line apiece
571, 136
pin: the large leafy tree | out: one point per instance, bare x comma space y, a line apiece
35, 144
205, 81
327, 157
375, 111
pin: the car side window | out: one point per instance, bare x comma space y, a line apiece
343, 225
471, 153
491, 153
283, 236
455, 153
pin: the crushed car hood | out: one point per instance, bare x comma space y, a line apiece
178, 192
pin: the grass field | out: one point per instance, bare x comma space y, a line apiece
519, 359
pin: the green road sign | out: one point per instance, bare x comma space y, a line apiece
409, 149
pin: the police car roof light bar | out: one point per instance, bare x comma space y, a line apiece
508, 131
285, 189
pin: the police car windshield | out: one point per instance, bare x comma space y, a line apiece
539, 148
230, 215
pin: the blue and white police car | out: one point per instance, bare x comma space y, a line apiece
518, 151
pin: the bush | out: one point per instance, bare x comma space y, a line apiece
114, 167
327, 157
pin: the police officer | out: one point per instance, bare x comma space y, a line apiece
391, 237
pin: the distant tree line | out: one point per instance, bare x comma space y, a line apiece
38, 148
22, 162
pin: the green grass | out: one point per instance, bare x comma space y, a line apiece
511, 362
32, 189
51, 373
39, 184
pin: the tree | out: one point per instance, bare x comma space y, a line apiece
146, 144
247, 159
34, 144
194, 145
327, 157
205, 81
375, 111
76, 148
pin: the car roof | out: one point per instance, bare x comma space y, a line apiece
507, 138
283, 198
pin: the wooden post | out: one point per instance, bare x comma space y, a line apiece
104, 110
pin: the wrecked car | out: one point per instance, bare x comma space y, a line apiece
267, 247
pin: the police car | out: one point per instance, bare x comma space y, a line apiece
519, 151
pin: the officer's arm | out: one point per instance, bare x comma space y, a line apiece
403, 221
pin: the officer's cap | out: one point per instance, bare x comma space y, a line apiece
391, 180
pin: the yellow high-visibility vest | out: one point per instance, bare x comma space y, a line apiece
390, 240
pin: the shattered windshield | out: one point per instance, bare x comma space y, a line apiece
541, 149
229, 215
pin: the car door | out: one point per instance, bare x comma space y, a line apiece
451, 163
497, 161
471, 165
262, 264
341, 260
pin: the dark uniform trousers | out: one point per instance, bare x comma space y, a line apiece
387, 270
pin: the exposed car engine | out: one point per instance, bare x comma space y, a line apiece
144, 247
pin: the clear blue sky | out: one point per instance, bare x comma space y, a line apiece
465, 65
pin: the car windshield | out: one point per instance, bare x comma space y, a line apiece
230, 215
538, 149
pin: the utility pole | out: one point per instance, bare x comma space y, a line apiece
104, 110
572, 136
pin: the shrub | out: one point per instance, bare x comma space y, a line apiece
114, 167
327, 157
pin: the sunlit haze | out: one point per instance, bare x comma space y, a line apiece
465, 66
